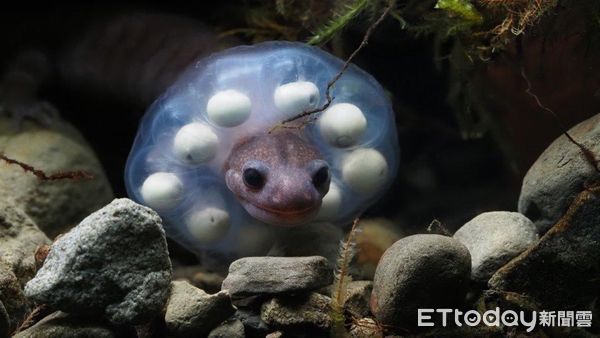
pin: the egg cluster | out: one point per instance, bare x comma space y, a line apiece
176, 162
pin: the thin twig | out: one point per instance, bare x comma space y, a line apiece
345, 262
61, 175
34, 316
345, 66
437, 226
589, 156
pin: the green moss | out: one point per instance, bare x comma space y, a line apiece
461, 8
338, 22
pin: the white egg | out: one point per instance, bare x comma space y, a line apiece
209, 224
162, 191
195, 143
229, 108
342, 124
365, 170
330, 204
295, 97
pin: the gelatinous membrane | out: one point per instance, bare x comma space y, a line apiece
241, 92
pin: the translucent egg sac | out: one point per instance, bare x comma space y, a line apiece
176, 164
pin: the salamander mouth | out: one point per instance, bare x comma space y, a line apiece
274, 216
284, 212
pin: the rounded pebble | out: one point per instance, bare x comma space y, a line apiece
296, 97
229, 108
365, 170
342, 124
493, 239
209, 224
195, 143
419, 272
331, 203
162, 191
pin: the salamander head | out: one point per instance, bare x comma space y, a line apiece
279, 178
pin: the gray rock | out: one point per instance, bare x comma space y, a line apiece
62, 325
19, 239
114, 263
558, 175
274, 275
55, 206
494, 238
358, 295
560, 271
229, 329
192, 312
306, 311
252, 321
12, 297
419, 271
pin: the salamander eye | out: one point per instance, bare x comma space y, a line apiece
321, 177
253, 178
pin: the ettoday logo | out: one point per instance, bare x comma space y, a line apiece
496, 317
